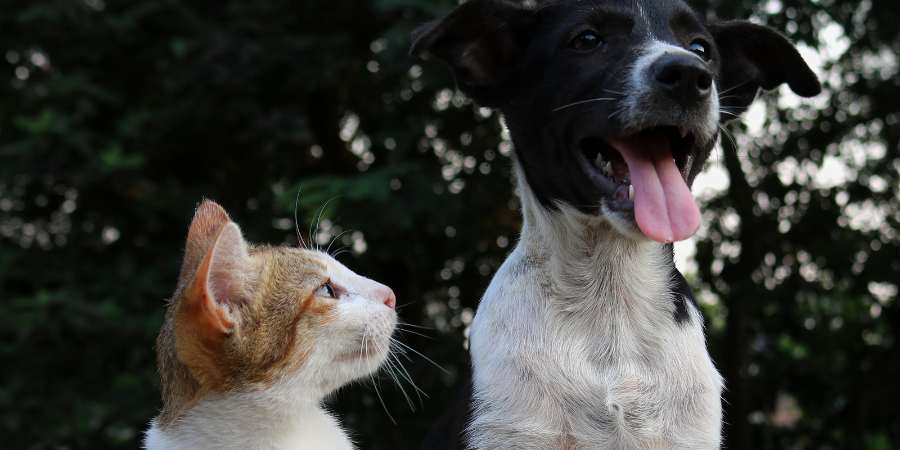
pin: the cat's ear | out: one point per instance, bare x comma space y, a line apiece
757, 57
208, 221
220, 280
219, 284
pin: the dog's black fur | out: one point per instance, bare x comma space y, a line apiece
538, 66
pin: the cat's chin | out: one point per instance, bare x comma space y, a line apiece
374, 353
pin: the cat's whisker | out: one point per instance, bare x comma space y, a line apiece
297, 222
401, 371
364, 347
343, 247
403, 353
378, 394
413, 332
402, 327
328, 250
405, 324
342, 250
408, 378
390, 368
310, 230
397, 308
394, 372
423, 356
318, 218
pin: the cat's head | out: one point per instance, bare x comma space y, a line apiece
248, 318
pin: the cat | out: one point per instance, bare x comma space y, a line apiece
256, 336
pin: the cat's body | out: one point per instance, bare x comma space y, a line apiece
256, 336
222, 423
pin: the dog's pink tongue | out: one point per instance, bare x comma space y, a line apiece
664, 208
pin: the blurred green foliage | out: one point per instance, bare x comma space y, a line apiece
117, 117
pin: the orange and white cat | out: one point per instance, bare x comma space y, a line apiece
256, 336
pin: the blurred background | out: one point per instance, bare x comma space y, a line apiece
117, 117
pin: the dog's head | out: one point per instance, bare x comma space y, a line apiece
613, 105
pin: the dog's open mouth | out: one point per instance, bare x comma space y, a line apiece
608, 163
647, 172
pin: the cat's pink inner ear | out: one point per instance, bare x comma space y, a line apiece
220, 281
208, 320
230, 267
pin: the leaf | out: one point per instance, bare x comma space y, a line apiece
311, 194
46, 121
114, 158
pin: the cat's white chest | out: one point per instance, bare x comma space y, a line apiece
225, 426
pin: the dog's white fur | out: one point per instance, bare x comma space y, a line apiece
582, 315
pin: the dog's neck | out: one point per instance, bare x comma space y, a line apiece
571, 235
595, 269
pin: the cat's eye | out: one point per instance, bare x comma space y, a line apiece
325, 291
587, 40
700, 49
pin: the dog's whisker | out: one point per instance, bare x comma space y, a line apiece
549, 5
733, 88
583, 101
728, 134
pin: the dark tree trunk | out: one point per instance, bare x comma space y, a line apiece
737, 276
737, 432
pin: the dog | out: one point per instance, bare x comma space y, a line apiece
588, 337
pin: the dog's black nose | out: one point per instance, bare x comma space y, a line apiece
685, 78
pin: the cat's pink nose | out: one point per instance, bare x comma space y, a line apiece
391, 301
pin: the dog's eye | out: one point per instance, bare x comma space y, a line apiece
699, 49
586, 41
325, 291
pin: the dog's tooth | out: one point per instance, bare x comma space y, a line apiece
684, 131
631, 192
608, 168
599, 161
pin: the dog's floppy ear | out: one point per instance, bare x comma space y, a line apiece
480, 40
754, 57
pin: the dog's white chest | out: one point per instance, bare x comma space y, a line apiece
587, 365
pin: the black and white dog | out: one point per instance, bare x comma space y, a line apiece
588, 337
